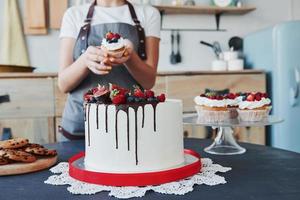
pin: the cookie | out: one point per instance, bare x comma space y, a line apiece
41, 151
35, 150
51, 152
3, 161
33, 145
13, 143
16, 155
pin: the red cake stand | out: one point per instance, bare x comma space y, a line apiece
191, 167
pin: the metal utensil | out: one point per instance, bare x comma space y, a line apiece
215, 46
173, 59
178, 55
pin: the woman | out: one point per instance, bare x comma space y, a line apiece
83, 64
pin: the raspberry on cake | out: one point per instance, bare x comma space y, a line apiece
254, 107
114, 43
132, 131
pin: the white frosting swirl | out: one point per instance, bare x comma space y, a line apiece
113, 46
254, 104
204, 101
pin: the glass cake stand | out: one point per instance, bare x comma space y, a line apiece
225, 143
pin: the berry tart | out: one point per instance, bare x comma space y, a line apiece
114, 43
254, 107
212, 107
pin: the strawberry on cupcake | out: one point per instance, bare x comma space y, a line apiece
254, 107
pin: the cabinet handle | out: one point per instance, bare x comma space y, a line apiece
4, 98
295, 88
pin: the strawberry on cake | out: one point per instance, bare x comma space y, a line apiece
114, 43
254, 107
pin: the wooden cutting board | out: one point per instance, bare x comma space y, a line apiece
35, 22
23, 168
57, 9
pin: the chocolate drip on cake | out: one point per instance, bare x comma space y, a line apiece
97, 115
143, 117
106, 127
116, 127
84, 111
88, 121
136, 136
124, 108
128, 143
154, 105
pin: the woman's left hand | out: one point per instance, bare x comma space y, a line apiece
126, 56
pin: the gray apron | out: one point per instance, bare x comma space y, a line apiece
73, 116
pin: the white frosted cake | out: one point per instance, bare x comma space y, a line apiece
135, 132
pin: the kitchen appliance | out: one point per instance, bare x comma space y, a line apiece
219, 65
236, 43
277, 51
235, 65
230, 55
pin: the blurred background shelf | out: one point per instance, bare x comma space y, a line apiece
168, 9
210, 10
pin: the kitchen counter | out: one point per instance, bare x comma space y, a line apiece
160, 73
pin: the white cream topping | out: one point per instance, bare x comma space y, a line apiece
254, 104
113, 46
203, 101
235, 101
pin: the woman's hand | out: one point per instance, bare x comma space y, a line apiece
126, 56
96, 60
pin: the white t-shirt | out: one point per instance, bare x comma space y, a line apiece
74, 18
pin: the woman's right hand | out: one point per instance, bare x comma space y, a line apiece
96, 60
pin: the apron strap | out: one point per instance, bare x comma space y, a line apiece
140, 31
85, 29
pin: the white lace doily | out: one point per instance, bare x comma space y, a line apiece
207, 176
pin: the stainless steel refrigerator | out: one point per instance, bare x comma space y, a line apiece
277, 51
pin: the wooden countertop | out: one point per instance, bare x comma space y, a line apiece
161, 73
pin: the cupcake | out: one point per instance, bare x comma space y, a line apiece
114, 43
232, 101
212, 108
254, 107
